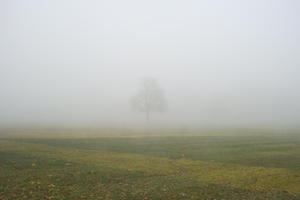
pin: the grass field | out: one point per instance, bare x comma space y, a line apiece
220, 165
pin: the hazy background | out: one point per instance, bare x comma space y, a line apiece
221, 63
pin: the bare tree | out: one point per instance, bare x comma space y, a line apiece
149, 98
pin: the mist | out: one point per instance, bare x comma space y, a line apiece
219, 63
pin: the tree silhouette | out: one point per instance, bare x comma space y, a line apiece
149, 98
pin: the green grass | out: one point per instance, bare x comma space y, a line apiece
260, 166
265, 150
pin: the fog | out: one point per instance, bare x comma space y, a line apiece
219, 63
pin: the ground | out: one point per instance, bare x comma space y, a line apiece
219, 165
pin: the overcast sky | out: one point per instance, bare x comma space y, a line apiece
219, 62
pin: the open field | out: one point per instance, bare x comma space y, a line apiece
228, 165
